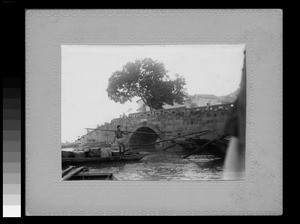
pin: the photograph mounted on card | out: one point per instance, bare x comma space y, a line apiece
166, 112
128, 117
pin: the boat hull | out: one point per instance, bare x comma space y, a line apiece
126, 158
93, 176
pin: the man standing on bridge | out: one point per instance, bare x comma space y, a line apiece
120, 140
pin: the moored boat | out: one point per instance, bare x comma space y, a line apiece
84, 173
130, 157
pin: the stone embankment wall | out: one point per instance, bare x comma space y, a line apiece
166, 123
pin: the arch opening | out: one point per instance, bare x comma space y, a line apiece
143, 136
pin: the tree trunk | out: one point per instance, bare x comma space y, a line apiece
145, 102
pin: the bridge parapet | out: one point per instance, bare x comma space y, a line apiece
171, 122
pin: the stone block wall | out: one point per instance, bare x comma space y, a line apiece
175, 121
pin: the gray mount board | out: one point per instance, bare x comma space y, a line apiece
259, 194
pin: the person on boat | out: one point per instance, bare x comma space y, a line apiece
120, 140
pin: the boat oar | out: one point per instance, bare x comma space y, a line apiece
72, 173
170, 146
67, 170
203, 146
178, 143
153, 143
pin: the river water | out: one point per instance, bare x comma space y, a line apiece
164, 166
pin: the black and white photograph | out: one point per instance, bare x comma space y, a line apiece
153, 112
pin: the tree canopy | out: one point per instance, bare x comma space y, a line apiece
147, 79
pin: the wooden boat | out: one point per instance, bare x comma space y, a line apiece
126, 158
83, 173
93, 176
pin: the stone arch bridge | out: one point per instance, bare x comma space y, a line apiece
152, 126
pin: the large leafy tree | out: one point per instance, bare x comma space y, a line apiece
147, 79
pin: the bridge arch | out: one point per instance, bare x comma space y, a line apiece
143, 135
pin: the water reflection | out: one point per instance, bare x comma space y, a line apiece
165, 166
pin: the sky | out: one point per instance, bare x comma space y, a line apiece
207, 69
